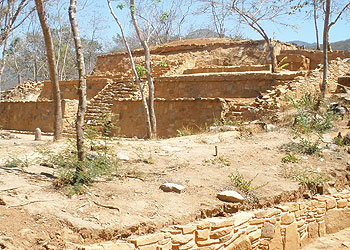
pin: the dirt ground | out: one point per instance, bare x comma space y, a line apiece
36, 215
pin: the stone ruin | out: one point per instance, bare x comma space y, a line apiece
197, 82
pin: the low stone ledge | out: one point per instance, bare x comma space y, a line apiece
289, 226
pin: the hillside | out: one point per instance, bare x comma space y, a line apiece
340, 45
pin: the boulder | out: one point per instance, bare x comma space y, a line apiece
230, 196
172, 187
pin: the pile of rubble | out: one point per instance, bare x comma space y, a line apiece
26, 91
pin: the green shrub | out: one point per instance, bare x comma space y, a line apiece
15, 162
244, 184
290, 158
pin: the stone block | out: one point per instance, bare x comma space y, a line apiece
242, 243
147, 239
342, 203
203, 234
241, 218
218, 233
208, 242
181, 239
254, 235
220, 222
291, 240
312, 229
268, 230
287, 218
187, 229
321, 228
331, 203
117, 246
148, 247
337, 219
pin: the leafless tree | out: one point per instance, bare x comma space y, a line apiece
58, 122
12, 15
133, 66
255, 12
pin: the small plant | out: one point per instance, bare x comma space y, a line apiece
141, 70
142, 158
191, 130
308, 177
244, 184
223, 121
290, 158
15, 162
218, 160
281, 64
162, 64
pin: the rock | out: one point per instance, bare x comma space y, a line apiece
346, 140
346, 244
172, 187
171, 149
211, 140
92, 155
327, 139
270, 127
223, 128
333, 147
37, 134
2, 202
122, 156
230, 196
268, 230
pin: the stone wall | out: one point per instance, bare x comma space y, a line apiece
225, 85
175, 57
27, 116
69, 88
288, 226
315, 56
171, 115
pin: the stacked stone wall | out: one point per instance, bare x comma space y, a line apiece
27, 116
315, 56
174, 58
69, 89
225, 85
289, 226
171, 115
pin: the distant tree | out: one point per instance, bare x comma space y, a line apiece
58, 119
12, 15
256, 12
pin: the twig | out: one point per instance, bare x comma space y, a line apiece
105, 206
29, 202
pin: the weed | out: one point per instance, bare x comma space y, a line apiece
308, 177
142, 158
15, 162
191, 130
244, 184
223, 121
141, 70
218, 160
281, 64
162, 64
290, 158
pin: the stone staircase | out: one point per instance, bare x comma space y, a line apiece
101, 104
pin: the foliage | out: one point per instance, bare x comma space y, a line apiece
244, 184
290, 158
141, 70
223, 121
311, 121
142, 158
15, 162
312, 179
218, 160
281, 64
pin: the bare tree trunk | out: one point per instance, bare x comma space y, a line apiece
316, 26
3, 58
58, 122
138, 80
82, 80
325, 49
273, 56
143, 41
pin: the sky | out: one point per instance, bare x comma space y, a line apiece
305, 31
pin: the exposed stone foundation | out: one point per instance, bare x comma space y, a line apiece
286, 227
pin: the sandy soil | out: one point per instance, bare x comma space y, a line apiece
36, 215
